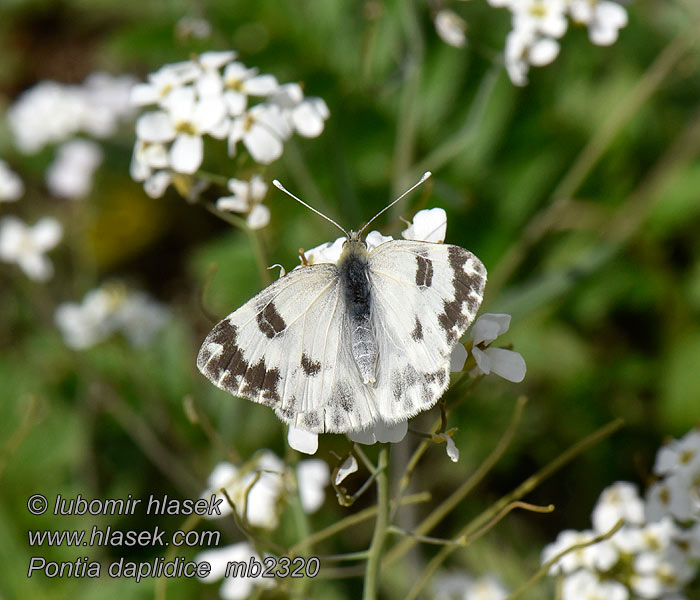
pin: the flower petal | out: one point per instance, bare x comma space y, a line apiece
46, 234
264, 146
259, 217
302, 440
186, 153
458, 358
507, 364
429, 225
489, 326
155, 126
313, 476
349, 466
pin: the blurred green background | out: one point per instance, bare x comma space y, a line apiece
604, 289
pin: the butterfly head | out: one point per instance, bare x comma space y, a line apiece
354, 244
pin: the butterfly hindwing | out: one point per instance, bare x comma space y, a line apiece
286, 348
425, 296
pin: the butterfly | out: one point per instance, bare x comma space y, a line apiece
339, 347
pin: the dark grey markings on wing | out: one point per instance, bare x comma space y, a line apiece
342, 403
310, 367
417, 333
424, 273
270, 322
468, 288
311, 420
223, 362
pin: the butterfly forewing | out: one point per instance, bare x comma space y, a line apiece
285, 348
424, 297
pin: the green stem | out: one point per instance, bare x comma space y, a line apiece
380, 527
480, 522
260, 255
347, 522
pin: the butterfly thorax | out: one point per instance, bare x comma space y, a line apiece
353, 268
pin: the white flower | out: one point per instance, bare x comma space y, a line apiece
139, 318
451, 447
263, 130
505, 363
184, 122
239, 82
451, 28
349, 466
604, 19
486, 588
193, 27
238, 559
679, 455
11, 186
585, 585
165, 80
689, 541
265, 475
305, 115
52, 112
429, 225
543, 17
325, 253
247, 198
106, 100
380, 431
619, 501
302, 440
677, 496
460, 586
574, 560
524, 48
313, 476
107, 310
26, 245
86, 324
658, 572
458, 357
451, 586
70, 174
263, 482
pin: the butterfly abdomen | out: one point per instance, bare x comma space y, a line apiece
353, 268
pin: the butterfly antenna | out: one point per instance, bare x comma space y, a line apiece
279, 186
426, 175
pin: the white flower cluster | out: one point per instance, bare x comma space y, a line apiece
70, 174
677, 493
460, 586
261, 486
258, 490
429, 225
111, 308
236, 586
11, 186
53, 112
451, 28
655, 554
212, 96
502, 362
538, 24
246, 198
26, 246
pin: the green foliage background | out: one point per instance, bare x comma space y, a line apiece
605, 302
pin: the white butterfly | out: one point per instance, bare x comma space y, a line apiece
338, 347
